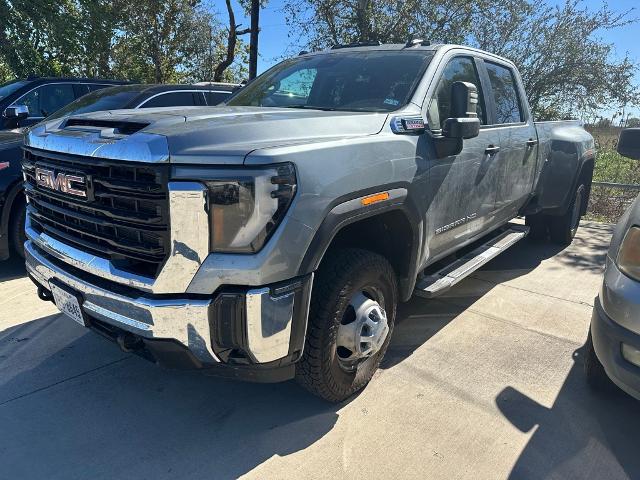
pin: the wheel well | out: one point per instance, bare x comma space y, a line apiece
388, 234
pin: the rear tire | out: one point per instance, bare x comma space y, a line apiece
325, 369
17, 236
597, 377
563, 229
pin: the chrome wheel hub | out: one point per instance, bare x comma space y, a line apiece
362, 331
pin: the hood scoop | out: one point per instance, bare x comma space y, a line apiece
118, 127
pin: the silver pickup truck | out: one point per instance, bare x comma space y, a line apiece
273, 237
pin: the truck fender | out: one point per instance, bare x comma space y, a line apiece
563, 170
355, 214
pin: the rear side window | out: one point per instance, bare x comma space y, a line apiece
459, 69
505, 93
172, 99
215, 98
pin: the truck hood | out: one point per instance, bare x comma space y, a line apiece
211, 135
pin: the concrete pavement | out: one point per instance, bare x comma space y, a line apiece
483, 383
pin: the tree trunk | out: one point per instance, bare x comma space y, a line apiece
253, 42
362, 21
231, 46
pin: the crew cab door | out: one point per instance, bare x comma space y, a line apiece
461, 188
510, 119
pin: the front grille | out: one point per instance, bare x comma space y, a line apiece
125, 217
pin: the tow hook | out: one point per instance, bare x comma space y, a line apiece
45, 295
128, 342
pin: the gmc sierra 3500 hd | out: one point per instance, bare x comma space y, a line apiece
273, 237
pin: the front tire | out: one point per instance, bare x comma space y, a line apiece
351, 318
17, 235
597, 377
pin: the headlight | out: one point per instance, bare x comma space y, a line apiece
245, 205
629, 254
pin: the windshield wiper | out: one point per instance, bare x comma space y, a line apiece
312, 107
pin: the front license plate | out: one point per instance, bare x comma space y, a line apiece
68, 303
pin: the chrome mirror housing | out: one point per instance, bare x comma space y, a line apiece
17, 111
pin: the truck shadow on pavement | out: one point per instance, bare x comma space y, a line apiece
584, 434
12, 268
420, 319
73, 406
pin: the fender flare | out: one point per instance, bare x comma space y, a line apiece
349, 210
587, 164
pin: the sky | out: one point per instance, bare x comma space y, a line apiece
274, 32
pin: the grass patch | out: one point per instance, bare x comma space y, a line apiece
612, 167
607, 204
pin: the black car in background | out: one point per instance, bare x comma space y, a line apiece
12, 203
26, 102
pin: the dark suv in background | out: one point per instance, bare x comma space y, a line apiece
26, 102
12, 205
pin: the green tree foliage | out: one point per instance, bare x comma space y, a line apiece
206, 52
567, 69
146, 40
150, 48
39, 36
101, 20
321, 23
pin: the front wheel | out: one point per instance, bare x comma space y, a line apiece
17, 235
353, 310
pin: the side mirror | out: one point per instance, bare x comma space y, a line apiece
18, 112
464, 122
629, 143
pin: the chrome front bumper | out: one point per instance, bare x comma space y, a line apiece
184, 320
274, 328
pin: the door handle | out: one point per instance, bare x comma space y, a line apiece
531, 142
492, 150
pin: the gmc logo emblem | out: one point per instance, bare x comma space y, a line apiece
63, 182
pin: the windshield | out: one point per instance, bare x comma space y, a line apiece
373, 81
8, 88
112, 98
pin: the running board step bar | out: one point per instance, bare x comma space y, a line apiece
439, 282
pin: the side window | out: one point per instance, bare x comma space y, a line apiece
171, 99
459, 69
45, 100
505, 92
215, 98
